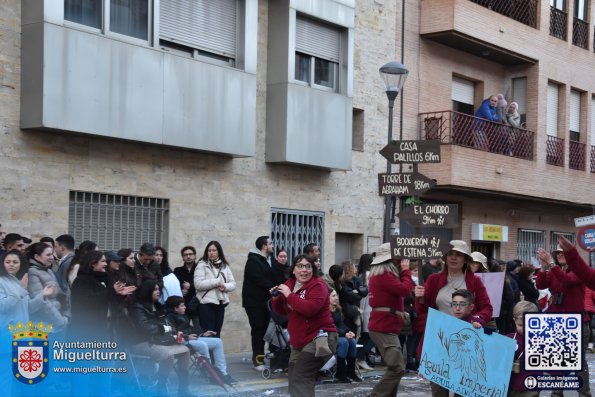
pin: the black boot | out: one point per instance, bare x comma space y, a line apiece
351, 374
183, 386
341, 373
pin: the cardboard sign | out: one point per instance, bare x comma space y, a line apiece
418, 247
464, 359
584, 221
431, 215
404, 184
412, 152
494, 283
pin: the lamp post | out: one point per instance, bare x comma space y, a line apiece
393, 76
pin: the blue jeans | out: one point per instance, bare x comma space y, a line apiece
346, 347
205, 345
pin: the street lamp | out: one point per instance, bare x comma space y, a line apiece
393, 76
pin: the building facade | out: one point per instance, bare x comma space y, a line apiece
186, 121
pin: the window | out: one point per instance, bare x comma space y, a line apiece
115, 221
580, 9
293, 230
357, 139
558, 4
554, 239
317, 55
201, 27
126, 17
552, 109
592, 121
528, 241
462, 95
575, 115
519, 95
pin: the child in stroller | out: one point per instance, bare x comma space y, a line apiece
277, 359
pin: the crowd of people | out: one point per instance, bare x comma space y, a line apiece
381, 305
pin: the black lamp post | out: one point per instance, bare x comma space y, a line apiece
393, 76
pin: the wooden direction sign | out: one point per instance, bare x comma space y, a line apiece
431, 215
407, 184
418, 247
412, 152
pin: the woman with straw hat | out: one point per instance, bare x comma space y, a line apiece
388, 286
438, 288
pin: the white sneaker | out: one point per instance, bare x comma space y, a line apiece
260, 368
362, 364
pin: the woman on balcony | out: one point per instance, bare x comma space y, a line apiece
513, 118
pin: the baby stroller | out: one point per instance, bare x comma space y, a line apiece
277, 359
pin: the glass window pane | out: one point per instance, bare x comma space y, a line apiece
85, 12
302, 67
324, 72
130, 17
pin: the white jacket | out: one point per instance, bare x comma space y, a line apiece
206, 279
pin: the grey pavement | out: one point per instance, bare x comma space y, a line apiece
252, 384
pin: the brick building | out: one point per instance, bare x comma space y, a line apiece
183, 121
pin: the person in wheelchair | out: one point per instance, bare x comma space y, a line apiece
203, 342
346, 344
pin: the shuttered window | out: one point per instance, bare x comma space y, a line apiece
552, 109
206, 25
519, 94
115, 221
575, 111
592, 121
463, 90
294, 229
317, 39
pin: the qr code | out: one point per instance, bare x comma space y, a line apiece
553, 342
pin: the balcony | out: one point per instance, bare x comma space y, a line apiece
576, 155
472, 132
523, 11
554, 151
558, 20
580, 33
497, 30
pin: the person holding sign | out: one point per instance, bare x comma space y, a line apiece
388, 286
438, 288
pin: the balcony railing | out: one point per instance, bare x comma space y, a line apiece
523, 11
464, 130
554, 151
580, 33
592, 158
576, 155
558, 20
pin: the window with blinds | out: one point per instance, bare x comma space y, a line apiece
528, 241
115, 221
552, 109
207, 27
593, 121
462, 94
292, 230
519, 95
318, 52
575, 115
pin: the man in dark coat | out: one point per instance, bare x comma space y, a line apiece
146, 265
185, 273
255, 293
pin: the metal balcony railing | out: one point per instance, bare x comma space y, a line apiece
558, 20
523, 11
576, 155
580, 33
592, 158
554, 151
464, 130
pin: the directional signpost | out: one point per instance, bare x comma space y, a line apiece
408, 184
431, 215
418, 247
412, 152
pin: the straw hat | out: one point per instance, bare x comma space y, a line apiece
382, 254
459, 246
558, 249
481, 258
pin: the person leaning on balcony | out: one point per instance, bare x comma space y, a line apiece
482, 130
513, 118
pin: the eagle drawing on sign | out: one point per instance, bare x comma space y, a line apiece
465, 350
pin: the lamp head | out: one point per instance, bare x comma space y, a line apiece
393, 76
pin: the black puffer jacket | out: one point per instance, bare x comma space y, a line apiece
147, 316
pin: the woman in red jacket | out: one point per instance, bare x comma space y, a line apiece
388, 287
304, 298
438, 288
